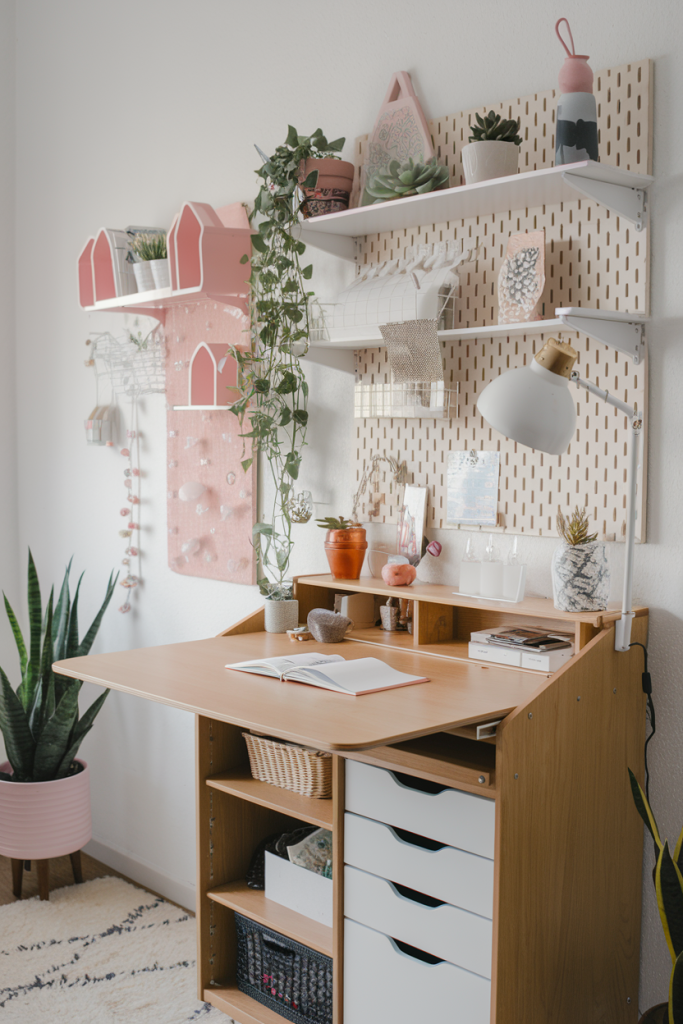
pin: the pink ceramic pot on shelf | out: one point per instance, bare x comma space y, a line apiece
40, 820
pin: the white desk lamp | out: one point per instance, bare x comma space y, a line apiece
532, 405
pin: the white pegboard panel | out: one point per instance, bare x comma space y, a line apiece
593, 258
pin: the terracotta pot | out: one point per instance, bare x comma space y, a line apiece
345, 550
40, 820
331, 194
658, 1014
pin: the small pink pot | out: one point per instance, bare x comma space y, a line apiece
40, 820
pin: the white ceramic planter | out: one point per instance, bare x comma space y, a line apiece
484, 160
581, 577
40, 820
281, 615
161, 273
144, 277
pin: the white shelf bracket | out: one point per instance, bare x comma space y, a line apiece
339, 245
627, 202
624, 336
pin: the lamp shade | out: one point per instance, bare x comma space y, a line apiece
531, 405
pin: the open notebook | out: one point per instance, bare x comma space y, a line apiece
331, 672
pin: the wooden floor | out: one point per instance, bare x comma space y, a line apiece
60, 875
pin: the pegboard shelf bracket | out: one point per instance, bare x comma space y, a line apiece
627, 202
623, 334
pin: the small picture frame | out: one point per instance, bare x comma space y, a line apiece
472, 488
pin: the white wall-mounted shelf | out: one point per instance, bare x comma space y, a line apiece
623, 331
620, 191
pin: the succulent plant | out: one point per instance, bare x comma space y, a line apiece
330, 523
492, 128
408, 179
574, 530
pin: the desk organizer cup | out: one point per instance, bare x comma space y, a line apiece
304, 771
293, 980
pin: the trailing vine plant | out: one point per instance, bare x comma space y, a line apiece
273, 389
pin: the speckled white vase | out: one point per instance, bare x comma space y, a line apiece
581, 577
281, 615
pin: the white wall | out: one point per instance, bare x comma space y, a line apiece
124, 111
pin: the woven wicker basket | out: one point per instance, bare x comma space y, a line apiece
308, 772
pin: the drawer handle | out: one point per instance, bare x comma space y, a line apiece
415, 896
277, 947
416, 954
422, 785
416, 840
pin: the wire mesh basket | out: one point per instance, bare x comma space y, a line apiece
133, 364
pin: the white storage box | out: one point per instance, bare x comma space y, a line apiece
299, 889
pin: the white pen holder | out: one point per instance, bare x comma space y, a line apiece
493, 581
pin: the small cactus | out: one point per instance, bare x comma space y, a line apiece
330, 523
408, 179
492, 128
574, 530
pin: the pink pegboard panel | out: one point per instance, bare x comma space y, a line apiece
211, 500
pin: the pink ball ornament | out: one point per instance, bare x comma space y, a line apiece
401, 575
434, 548
134, 526
136, 472
132, 551
125, 452
124, 511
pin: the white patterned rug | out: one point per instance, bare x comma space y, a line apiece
99, 953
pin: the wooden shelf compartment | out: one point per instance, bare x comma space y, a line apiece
240, 783
239, 1006
443, 758
254, 904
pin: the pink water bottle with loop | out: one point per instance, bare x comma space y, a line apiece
576, 125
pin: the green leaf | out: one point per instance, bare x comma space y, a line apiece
18, 636
89, 638
246, 463
292, 137
54, 739
301, 417
244, 259
16, 732
26, 691
285, 416
337, 145
669, 887
644, 809
61, 617
72, 636
263, 528
258, 243
292, 463
676, 992
307, 272
311, 180
80, 729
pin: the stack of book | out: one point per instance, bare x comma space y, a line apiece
523, 647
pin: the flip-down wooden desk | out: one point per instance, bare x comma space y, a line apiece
568, 845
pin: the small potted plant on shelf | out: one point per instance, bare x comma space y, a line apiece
581, 576
44, 788
272, 384
325, 180
407, 179
345, 547
493, 150
151, 261
668, 883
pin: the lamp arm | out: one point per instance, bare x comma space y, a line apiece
622, 627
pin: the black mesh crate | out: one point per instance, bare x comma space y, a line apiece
291, 979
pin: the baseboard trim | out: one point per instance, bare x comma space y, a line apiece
138, 871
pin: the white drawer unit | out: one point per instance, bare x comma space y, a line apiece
448, 815
385, 984
459, 878
443, 930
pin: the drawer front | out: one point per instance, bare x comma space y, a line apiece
451, 875
445, 931
385, 985
451, 816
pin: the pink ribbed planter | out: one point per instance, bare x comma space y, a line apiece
39, 820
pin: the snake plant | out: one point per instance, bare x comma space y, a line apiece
669, 888
492, 128
39, 721
408, 179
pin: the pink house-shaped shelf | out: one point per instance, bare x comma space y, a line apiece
205, 249
212, 378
